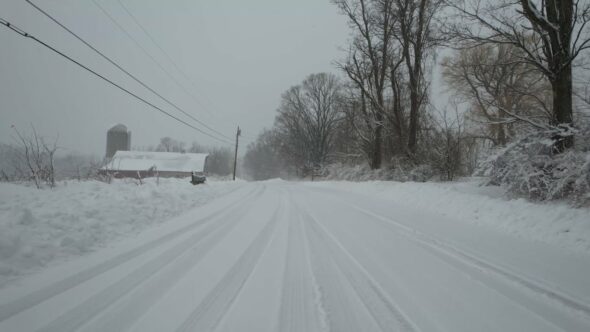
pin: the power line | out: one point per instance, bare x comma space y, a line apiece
137, 43
122, 69
24, 34
151, 38
163, 50
112, 19
147, 53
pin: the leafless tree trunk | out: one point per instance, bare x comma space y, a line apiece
397, 117
416, 37
367, 66
5, 176
446, 141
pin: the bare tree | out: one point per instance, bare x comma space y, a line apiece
168, 144
355, 131
504, 93
446, 152
220, 161
416, 36
37, 157
307, 119
50, 150
551, 34
197, 148
397, 117
368, 61
390, 51
263, 159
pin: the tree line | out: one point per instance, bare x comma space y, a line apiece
509, 72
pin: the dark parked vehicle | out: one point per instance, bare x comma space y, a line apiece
198, 178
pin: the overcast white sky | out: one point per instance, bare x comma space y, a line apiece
239, 55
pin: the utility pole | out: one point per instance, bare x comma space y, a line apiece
236, 155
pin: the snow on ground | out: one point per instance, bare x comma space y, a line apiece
39, 227
553, 223
283, 256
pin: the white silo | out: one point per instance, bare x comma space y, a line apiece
118, 139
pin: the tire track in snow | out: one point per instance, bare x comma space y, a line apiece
340, 299
387, 314
207, 315
456, 254
122, 316
30, 300
296, 312
91, 307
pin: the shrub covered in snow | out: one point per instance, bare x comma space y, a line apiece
530, 167
398, 170
354, 173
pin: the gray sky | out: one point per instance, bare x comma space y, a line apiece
239, 56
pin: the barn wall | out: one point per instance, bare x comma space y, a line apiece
145, 174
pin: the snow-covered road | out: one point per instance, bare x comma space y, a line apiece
280, 256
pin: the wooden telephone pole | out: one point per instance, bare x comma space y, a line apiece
236, 154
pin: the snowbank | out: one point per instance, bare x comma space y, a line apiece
38, 227
554, 223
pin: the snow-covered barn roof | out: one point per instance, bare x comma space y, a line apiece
161, 161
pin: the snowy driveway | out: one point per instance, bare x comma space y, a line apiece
278, 256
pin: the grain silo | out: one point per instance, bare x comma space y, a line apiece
118, 139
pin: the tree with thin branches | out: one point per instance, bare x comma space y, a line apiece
550, 33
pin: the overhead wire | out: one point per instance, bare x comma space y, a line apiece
166, 54
111, 61
152, 39
120, 27
145, 51
24, 34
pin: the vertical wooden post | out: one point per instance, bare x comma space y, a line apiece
236, 153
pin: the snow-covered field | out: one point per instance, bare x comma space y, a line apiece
42, 227
332, 256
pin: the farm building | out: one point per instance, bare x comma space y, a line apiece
118, 139
140, 164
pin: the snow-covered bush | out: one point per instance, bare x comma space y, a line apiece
529, 167
399, 169
421, 173
340, 171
